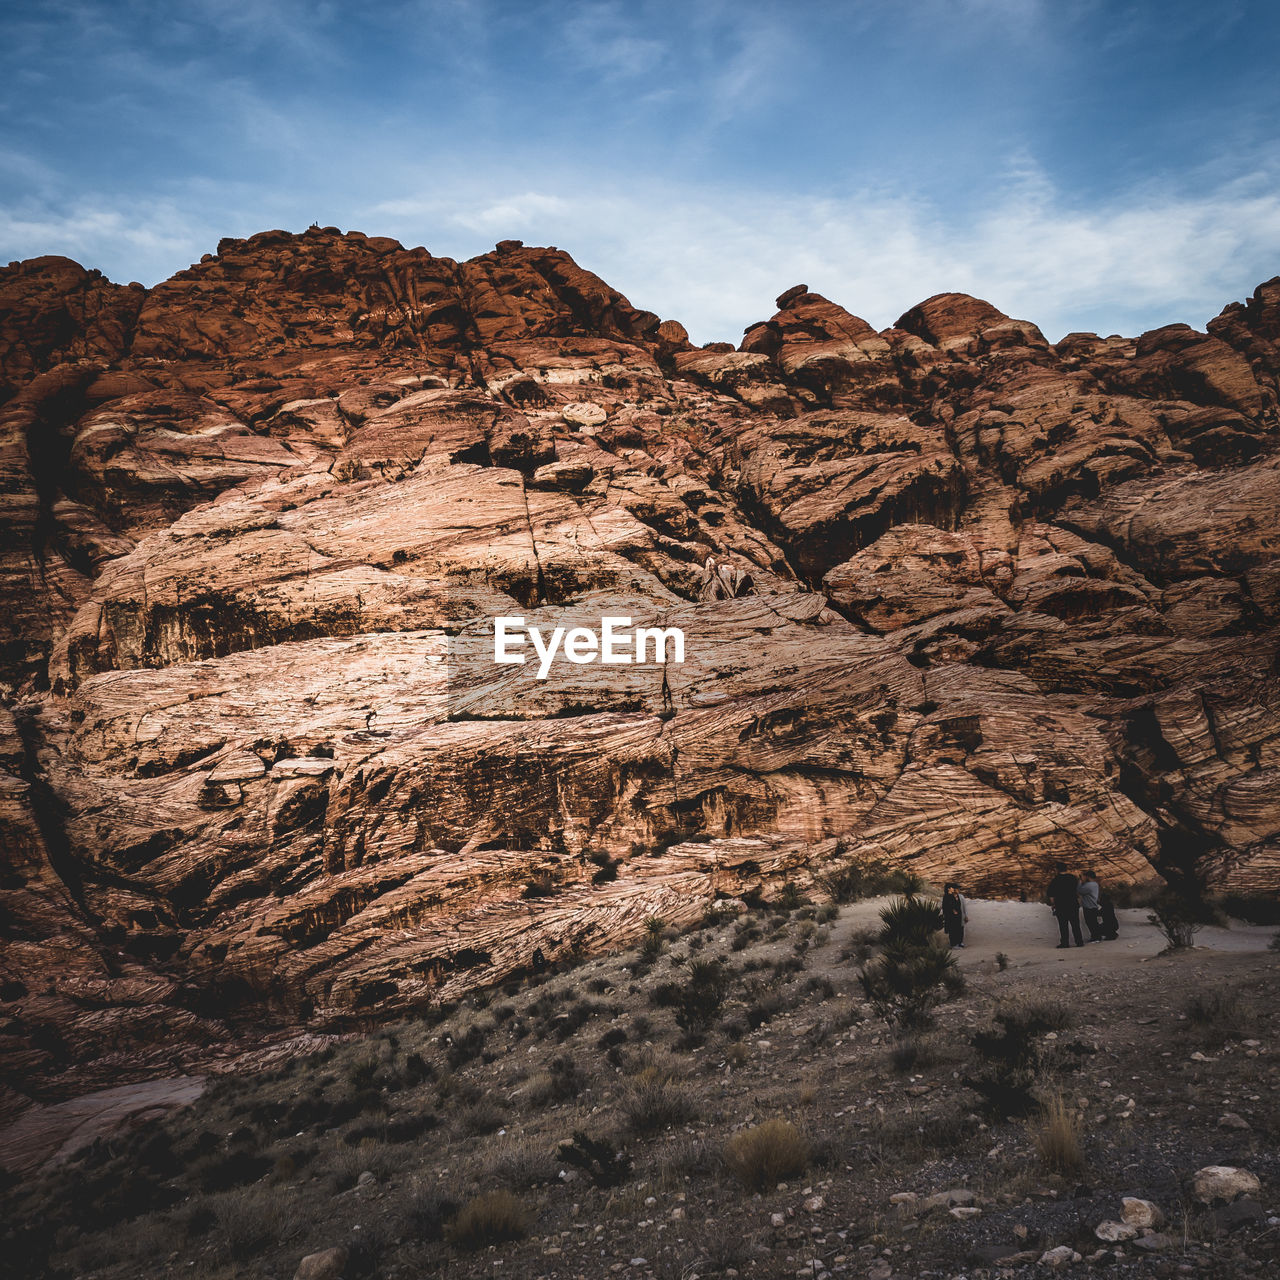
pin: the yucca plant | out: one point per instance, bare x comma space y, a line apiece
910, 921
906, 983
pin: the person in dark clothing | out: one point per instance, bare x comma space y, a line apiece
1088, 894
1062, 897
955, 914
1107, 921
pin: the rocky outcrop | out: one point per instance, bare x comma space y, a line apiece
951, 596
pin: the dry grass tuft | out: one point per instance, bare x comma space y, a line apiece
488, 1219
1057, 1137
766, 1154
654, 1099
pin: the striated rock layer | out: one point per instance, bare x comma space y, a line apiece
952, 596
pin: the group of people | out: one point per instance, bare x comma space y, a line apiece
1070, 898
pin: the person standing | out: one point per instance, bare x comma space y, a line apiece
1063, 897
955, 913
1090, 905
1107, 922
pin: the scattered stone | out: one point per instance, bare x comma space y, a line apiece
1113, 1232
1140, 1213
1229, 1120
1154, 1242
1222, 1182
328, 1264
904, 1199
1063, 1256
963, 1211
947, 1199
777, 1220
814, 1203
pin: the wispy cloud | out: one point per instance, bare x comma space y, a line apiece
716, 259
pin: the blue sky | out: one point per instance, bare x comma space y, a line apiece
1080, 163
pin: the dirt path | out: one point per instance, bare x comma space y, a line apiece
1028, 934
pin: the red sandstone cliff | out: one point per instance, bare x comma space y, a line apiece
1009, 602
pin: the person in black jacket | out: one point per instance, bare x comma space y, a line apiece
955, 914
1107, 921
1062, 895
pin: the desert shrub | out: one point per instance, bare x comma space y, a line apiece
857, 878
790, 897
490, 1218
697, 998
685, 1155
569, 1020
463, 1048
819, 986
1057, 1137
561, 1081
612, 1038
654, 937
765, 1154
519, 1163
540, 885
826, 914
719, 1245
910, 921
1179, 918
427, 1214
605, 1164
1274, 944
764, 1002
252, 1220
653, 1099
906, 983
1013, 1056
1002, 961
1220, 1015
913, 1053
481, 1116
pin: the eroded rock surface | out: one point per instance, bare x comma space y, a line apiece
952, 595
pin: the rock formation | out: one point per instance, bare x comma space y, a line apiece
991, 602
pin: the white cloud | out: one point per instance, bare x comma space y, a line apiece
716, 259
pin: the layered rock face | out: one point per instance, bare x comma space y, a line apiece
951, 596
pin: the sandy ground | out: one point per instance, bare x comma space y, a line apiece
1024, 931
1028, 934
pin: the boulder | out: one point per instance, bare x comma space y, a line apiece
328, 1264
1218, 1182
